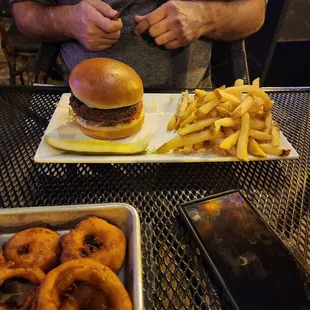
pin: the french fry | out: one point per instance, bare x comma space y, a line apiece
259, 135
198, 146
212, 113
256, 82
217, 150
228, 131
223, 96
205, 109
227, 105
190, 109
172, 123
274, 150
254, 148
257, 124
232, 151
261, 112
222, 112
258, 103
186, 140
199, 125
202, 93
230, 141
268, 122
239, 82
189, 120
275, 134
208, 96
188, 149
225, 122
242, 144
203, 100
254, 91
242, 108
183, 108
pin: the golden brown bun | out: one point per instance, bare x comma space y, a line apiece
111, 132
105, 83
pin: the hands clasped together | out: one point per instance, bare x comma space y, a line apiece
174, 24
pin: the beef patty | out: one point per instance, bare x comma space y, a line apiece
105, 116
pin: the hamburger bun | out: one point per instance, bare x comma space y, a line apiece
105, 83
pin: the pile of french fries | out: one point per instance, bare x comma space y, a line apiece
234, 121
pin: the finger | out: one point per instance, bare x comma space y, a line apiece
107, 25
159, 28
149, 20
165, 38
173, 44
112, 36
101, 47
142, 26
104, 8
104, 47
104, 41
139, 18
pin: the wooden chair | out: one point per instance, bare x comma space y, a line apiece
17, 46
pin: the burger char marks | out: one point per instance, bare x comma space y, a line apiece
105, 116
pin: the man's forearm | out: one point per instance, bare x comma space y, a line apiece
231, 20
48, 23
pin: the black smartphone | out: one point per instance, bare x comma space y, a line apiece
251, 264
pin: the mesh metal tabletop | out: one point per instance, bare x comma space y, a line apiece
174, 275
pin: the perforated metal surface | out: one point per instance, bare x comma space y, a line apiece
174, 276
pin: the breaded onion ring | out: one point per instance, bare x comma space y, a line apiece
59, 280
85, 296
33, 247
2, 259
34, 275
97, 239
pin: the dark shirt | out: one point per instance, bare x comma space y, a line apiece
158, 67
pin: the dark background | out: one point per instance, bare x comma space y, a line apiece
279, 53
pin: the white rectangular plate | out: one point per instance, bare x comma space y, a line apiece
158, 110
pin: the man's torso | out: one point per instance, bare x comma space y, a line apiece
157, 66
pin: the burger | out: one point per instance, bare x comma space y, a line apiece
106, 98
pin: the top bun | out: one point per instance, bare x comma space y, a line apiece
105, 83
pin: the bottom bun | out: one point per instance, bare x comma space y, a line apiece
118, 131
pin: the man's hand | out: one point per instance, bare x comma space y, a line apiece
92, 25
175, 24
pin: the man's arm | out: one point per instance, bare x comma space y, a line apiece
232, 20
178, 23
44, 22
90, 22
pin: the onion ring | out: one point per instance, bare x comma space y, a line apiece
59, 280
34, 275
97, 239
2, 260
33, 247
85, 296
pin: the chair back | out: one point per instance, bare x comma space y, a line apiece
6, 42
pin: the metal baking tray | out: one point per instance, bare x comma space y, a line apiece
64, 218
